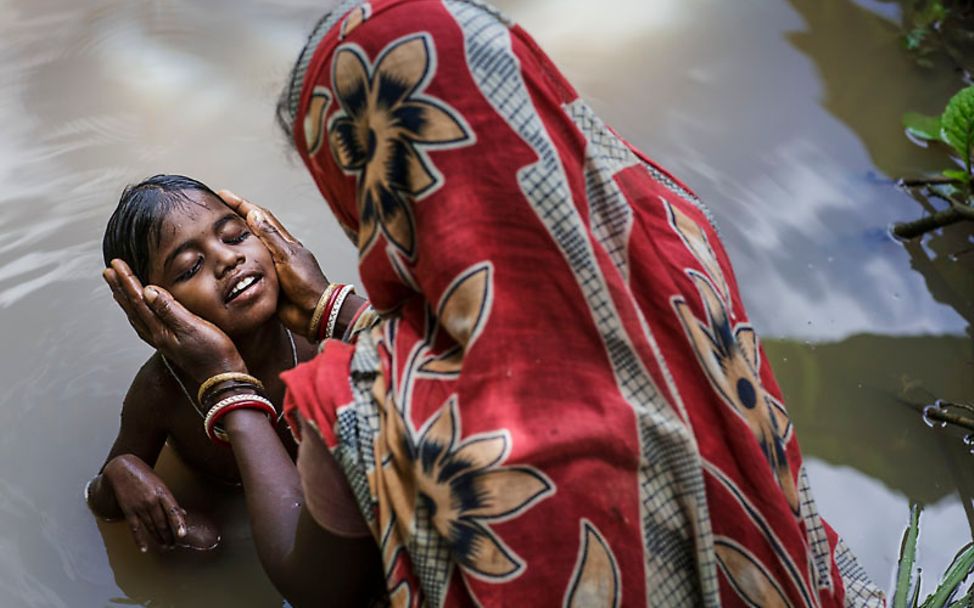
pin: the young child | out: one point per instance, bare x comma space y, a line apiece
175, 232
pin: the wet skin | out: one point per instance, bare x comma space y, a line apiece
204, 251
309, 563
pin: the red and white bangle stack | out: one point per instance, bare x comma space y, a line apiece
325, 317
219, 384
211, 424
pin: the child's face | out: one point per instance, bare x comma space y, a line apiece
211, 263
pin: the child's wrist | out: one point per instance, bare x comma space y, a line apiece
230, 363
241, 421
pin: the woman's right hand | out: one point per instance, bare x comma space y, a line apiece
301, 279
146, 502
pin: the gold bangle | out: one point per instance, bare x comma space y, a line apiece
320, 310
217, 379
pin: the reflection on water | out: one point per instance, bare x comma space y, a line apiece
783, 115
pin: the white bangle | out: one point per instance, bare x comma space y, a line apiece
335, 309
224, 403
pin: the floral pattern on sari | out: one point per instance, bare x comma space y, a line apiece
730, 356
459, 484
382, 133
748, 576
596, 579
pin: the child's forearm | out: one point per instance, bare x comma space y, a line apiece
271, 483
101, 498
308, 564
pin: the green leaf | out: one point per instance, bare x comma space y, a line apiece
965, 602
957, 174
958, 124
908, 554
915, 600
957, 573
922, 127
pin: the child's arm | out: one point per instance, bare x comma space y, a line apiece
127, 486
309, 565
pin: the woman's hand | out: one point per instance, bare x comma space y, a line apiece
301, 279
194, 344
147, 504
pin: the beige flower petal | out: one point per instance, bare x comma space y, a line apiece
747, 341
418, 177
314, 119
464, 305
696, 241
350, 80
507, 490
440, 123
448, 364
406, 63
749, 578
486, 556
482, 452
443, 429
596, 581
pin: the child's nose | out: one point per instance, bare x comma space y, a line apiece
227, 258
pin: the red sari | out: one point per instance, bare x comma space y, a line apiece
564, 402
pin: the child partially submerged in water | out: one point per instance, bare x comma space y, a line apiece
176, 233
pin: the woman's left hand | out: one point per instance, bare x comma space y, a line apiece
194, 344
298, 273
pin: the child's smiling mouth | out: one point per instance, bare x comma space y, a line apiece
243, 285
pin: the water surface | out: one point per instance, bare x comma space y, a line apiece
783, 116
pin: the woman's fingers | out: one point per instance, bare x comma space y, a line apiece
276, 223
259, 219
271, 235
242, 207
175, 515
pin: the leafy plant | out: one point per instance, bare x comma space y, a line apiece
925, 18
939, 28
955, 129
906, 593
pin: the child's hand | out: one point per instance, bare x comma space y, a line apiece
149, 507
196, 345
301, 279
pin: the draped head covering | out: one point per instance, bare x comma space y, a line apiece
564, 401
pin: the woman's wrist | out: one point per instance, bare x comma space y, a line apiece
347, 314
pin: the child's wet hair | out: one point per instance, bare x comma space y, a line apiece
134, 228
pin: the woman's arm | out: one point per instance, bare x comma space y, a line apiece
309, 565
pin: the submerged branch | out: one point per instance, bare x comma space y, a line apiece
920, 182
940, 414
910, 230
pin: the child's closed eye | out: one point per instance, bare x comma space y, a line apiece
193, 270
239, 238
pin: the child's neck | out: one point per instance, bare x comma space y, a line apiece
266, 345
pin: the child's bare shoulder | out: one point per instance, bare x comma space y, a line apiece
152, 388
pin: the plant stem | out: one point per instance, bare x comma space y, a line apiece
918, 182
941, 415
910, 230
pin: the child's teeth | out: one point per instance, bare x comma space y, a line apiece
242, 284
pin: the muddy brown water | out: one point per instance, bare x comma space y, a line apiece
783, 115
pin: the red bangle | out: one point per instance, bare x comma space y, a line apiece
216, 434
323, 325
